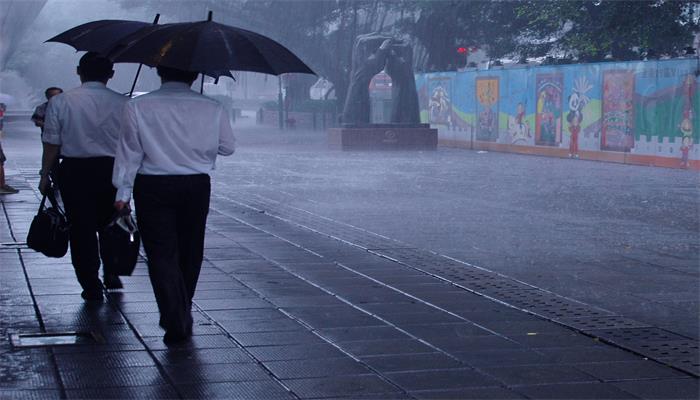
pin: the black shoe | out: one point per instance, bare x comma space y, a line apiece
113, 282
172, 339
92, 295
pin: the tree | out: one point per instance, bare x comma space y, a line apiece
618, 30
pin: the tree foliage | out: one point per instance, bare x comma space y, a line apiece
322, 32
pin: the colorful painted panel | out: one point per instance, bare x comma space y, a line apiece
548, 112
618, 110
581, 120
487, 108
440, 100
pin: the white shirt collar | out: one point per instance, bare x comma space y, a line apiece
93, 84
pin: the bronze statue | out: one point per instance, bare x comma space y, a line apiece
372, 53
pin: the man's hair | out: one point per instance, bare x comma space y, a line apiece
51, 89
177, 75
94, 67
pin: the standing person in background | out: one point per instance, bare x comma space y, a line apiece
4, 187
40, 110
82, 126
168, 146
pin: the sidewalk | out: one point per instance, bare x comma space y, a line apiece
292, 305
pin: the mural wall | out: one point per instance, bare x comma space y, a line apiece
635, 112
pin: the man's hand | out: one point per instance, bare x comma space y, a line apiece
44, 185
119, 205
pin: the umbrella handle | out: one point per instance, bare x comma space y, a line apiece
138, 71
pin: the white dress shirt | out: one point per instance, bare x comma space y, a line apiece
170, 131
84, 121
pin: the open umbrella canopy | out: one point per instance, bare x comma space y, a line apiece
99, 36
207, 47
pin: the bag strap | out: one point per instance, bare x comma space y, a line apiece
51, 195
43, 203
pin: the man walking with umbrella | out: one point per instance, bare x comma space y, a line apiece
168, 145
82, 126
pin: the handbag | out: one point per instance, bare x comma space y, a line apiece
50, 230
120, 244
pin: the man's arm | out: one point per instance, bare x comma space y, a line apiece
227, 141
128, 158
51, 143
48, 161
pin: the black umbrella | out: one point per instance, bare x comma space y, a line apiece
98, 36
207, 47
101, 36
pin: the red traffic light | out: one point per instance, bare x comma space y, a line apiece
462, 50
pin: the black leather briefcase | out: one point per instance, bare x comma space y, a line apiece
120, 244
49, 231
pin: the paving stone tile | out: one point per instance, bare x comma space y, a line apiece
476, 343
629, 370
574, 391
276, 338
268, 389
525, 327
195, 342
351, 386
104, 360
224, 294
411, 362
111, 377
260, 325
440, 379
407, 319
350, 333
295, 352
544, 340
316, 368
384, 347
485, 358
240, 315
537, 374
200, 373
452, 330
186, 357
662, 388
141, 392
600, 353
495, 393
232, 304
303, 301
30, 394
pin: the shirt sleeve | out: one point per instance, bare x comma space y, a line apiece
129, 155
52, 122
227, 141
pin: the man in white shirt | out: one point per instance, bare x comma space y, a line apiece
168, 145
82, 126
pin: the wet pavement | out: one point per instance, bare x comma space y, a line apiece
447, 274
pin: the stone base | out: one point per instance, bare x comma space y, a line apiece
383, 137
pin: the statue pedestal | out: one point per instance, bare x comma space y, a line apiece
383, 137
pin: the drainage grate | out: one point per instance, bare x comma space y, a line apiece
595, 323
636, 335
497, 286
21, 340
675, 349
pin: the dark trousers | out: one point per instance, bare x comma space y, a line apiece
88, 195
171, 211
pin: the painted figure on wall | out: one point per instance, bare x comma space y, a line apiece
686, 125
518, 127
618, 110
487, 109
577, 101
439, 106
549, 109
